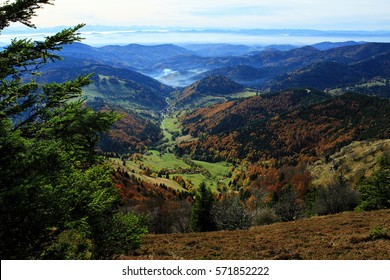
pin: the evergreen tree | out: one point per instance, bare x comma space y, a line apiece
57, 199
375, 190
201, 219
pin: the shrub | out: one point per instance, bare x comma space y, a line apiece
265, 216
379, 233
335, 198
171, 217
123, 236
230, 214
70, 245
286, 204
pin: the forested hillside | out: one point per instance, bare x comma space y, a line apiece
140, 99
285, 126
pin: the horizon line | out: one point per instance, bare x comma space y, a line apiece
194, 28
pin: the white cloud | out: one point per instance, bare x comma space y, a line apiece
330, 14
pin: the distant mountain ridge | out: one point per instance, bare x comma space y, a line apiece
242, 74
259, 67
330, 45
273, 64
134, 55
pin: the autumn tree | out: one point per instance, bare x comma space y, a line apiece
286, 204
57, 198
229, 213
336, 197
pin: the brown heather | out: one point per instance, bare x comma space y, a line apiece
344, 236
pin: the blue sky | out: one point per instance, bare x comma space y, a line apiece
275, 14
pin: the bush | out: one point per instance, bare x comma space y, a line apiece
286, 204
70, 245
379, 233
171, 217
230, 214
335, 198
265, 216
123, 236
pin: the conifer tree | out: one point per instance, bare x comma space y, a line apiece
57, 199
375, 190
202, 219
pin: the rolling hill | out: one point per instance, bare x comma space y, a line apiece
353, 162
271, 67
133, 56
242, 74
216, 119
138, 98
331, 74
223, 50
210, 87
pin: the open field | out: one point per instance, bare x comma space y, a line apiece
342, 236
171, 124
210, 173
155, 160
245, 94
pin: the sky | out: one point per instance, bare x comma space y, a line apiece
240, 14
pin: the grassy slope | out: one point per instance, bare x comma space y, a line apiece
352, 162
204, 100
341, 236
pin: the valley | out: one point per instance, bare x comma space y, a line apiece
282, 134
161, 165
243, 121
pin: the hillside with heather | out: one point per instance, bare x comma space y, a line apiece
346, 236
